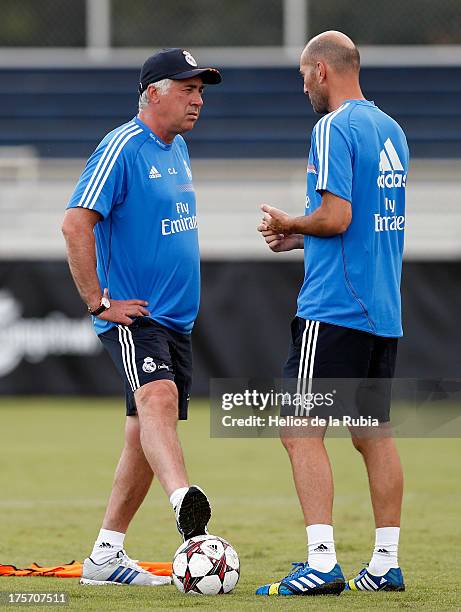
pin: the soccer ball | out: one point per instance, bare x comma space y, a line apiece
206, 565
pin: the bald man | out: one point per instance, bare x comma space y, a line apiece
348, 319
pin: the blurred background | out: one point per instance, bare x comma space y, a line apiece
68, 75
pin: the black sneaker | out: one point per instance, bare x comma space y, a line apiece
193, 513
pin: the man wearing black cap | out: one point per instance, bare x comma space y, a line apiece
131, 234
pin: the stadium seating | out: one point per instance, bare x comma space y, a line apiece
256, 113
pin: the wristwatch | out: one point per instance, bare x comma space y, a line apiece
104, 305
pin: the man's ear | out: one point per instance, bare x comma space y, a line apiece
153, 94
321, 71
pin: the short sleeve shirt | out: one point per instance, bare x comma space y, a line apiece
147, 239
359, 154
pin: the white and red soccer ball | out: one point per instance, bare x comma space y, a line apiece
206, 565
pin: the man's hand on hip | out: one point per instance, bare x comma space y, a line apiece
124, 311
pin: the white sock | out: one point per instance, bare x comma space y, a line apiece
177, 496
107, 545
321, 554
385, 551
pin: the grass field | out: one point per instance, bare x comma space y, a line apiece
58, 456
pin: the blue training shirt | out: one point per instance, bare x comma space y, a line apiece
147, 241
353, 280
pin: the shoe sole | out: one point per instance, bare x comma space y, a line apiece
393, 587
336, 587
389, 587
98, 582
162, 580
194, 514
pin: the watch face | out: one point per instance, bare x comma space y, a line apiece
105, 302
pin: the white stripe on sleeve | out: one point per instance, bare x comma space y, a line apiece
111, 165
325, 147
317, 144
320, 152
107, 153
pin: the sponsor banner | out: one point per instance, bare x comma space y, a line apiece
47, 342
48, 346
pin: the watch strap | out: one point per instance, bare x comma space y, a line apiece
99, 310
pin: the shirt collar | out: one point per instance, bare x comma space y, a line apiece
154, 137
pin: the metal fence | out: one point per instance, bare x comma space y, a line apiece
224, 23
42, 23
390, 22
218, 23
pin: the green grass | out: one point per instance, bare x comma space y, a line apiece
58, 456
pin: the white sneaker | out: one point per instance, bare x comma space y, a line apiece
119, 570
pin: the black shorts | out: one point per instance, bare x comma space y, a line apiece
146, 351
322, 351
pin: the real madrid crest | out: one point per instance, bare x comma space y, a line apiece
189, 59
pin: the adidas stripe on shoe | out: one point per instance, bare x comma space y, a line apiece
120, 570
305, 580
392, 581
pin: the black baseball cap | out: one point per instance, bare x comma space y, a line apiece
176, 64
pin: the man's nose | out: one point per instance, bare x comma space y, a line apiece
197, 100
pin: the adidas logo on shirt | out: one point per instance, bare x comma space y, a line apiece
391, 170
154, 173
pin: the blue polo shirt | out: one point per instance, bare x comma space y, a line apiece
147, 241
353, 280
